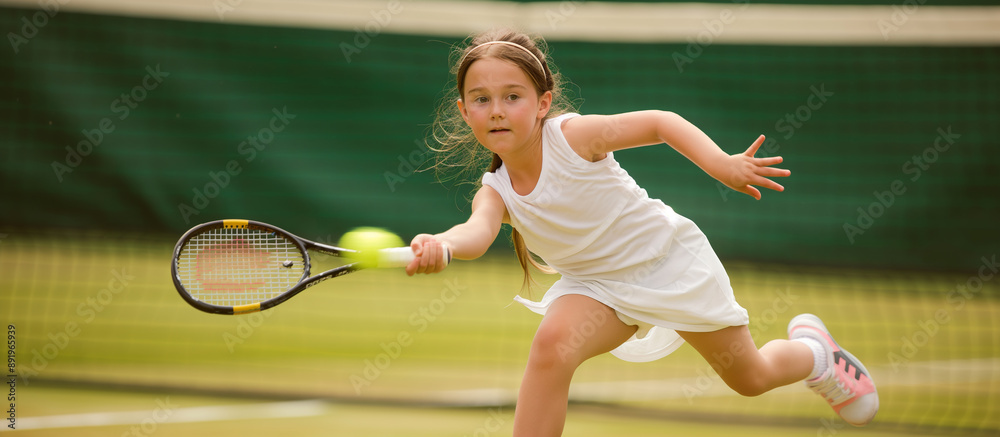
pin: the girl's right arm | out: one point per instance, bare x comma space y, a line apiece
468, 240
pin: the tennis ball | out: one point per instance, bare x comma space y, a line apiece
368, 241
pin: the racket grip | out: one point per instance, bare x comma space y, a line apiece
399, 257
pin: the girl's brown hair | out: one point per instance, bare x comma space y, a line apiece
459, 154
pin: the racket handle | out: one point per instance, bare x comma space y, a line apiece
399, 257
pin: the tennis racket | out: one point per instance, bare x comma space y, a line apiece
243, 266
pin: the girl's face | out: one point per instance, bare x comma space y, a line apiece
501, 106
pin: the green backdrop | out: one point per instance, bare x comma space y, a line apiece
129, 124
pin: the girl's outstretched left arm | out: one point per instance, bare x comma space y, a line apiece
593, 136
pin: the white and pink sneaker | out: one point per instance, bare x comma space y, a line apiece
845, 383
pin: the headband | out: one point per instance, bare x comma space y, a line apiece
540, 65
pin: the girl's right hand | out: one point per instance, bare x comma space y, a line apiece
428, 251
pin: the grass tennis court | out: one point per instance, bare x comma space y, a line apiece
123, 124
388, 420
392, 355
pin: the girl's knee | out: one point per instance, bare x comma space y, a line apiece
555, 345
749, 386
747, 382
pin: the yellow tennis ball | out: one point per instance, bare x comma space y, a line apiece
368, 241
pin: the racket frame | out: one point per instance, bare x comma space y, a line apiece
304, 282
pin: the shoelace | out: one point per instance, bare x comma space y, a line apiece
832, 390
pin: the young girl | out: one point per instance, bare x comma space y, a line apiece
645, 276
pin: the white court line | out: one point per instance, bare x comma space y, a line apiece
710, 385
168, 413
911, 374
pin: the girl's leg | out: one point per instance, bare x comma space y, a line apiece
574, 329
749, 371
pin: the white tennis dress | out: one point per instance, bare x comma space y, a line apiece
610, 241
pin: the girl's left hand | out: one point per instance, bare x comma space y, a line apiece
745, 171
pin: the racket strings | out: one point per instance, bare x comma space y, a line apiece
239, 266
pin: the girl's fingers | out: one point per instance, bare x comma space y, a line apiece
772, 185
753, 147
412, 267
773, 172
757, 171
750, 190
427, 256
766, 162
